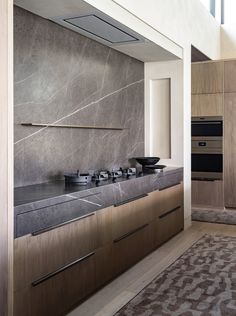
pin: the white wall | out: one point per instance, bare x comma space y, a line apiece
181, 22
174, 71
228, 41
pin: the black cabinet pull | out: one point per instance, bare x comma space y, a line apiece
47, 229
52, 274
131, 199
169, 212
130, 233
169, 186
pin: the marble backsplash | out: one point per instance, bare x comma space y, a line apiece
65, 78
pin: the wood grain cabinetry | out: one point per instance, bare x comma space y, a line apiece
167, 199
207, 105
207, 193
169, 224
54, 294
36, 256
57, 268
230, 76
230, 150
130, 248
130, 215
207, 77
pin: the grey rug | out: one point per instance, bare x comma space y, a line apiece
214, 216
201, 282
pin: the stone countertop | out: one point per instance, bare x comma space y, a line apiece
45, 205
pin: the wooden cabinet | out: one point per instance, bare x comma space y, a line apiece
57, 292
230, 76
169, 224
167, 199
56, 268
36, 256
207, 77
207, 193
207, 105
128, 216
131, 247
230, 150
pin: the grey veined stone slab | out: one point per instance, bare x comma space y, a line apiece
44, 205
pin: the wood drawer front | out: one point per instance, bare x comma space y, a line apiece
130, 216
166, 199
131, 249
39, 255
56, 295
207, 105
207, 77
104, 265
168, 225
207, 193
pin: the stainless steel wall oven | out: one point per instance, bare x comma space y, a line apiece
207, 148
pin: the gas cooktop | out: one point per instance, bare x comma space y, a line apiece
97, 176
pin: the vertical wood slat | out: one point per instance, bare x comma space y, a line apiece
230, 150
6, 158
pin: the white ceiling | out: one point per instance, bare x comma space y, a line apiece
58, 10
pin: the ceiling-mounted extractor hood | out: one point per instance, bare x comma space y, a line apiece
96, 26
100, 27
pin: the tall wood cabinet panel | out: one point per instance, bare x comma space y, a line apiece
207, 105
230, 76
230, 150
207, 77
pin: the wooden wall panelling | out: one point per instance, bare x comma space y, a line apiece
230, 76
207, 77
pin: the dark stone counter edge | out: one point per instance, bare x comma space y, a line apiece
43, 214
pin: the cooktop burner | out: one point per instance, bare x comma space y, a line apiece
97, 176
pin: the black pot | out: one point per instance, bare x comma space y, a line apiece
147, 161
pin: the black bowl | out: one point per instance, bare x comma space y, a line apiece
147, 161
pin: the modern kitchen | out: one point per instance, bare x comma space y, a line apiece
88, 203
123, 155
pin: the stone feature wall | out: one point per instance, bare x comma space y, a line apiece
64, 78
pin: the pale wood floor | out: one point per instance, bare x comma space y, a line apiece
111, 298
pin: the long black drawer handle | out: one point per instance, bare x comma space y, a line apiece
169, 212
44, 230
52, 274
130, 233
131, 199
170, 186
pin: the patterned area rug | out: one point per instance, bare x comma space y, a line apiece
201, 282
214, 216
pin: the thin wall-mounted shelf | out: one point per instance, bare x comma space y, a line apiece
72, 126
